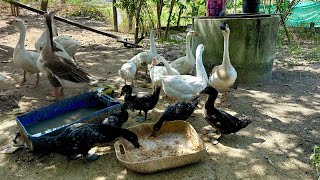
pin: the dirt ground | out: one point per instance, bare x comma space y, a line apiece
277, 145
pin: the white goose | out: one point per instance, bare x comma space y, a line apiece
224, 75
186, 63
183, 87
128, 70
58, 66
26, 60
156, 72
70, 45
146, 57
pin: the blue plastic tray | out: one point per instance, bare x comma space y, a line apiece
106, 104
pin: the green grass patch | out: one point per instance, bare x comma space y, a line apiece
315, 159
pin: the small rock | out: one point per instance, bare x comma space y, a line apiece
215, 142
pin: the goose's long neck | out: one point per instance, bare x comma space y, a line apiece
54, 33
153, 48
49, 44
188, 48
22, 37
167, 65
200, 70
226, 58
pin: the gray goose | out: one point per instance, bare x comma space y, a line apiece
58, 66
65, 43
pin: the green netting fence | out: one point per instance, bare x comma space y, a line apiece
302, 15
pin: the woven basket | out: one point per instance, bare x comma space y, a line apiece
176, 144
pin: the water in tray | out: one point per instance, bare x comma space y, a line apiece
60, 120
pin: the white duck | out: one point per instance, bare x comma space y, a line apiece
186, 63
26, 60
70, 45
58, 66
224, 75
183, 87
128, 70
156, 72
146, 57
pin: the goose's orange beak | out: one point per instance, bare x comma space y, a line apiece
153, 63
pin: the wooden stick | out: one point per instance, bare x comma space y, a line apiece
118, 38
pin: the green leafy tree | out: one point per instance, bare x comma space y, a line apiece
195, 6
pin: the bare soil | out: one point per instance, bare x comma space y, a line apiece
277, 145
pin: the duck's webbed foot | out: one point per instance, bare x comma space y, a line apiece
211, 135
142, 119
138, 115
92, 157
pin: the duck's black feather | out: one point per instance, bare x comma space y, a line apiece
177, 111
80, 138
118, 119
143, 102
221, 120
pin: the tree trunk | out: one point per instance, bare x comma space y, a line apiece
159, 12
170, 12
115, 16
136, 32
179, 17
44, 5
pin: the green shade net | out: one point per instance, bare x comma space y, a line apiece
304, 13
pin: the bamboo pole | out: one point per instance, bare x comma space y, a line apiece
118, 38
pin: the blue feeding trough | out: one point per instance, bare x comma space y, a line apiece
51, 120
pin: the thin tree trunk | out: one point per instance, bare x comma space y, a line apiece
115, 16
136, 32
44, 5
179, 17
170, 12
159, 12
285, 28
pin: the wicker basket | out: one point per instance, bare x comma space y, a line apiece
176, 144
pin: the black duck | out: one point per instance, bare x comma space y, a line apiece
222, 121
144, 102
177, 111
78, 139
117, 119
